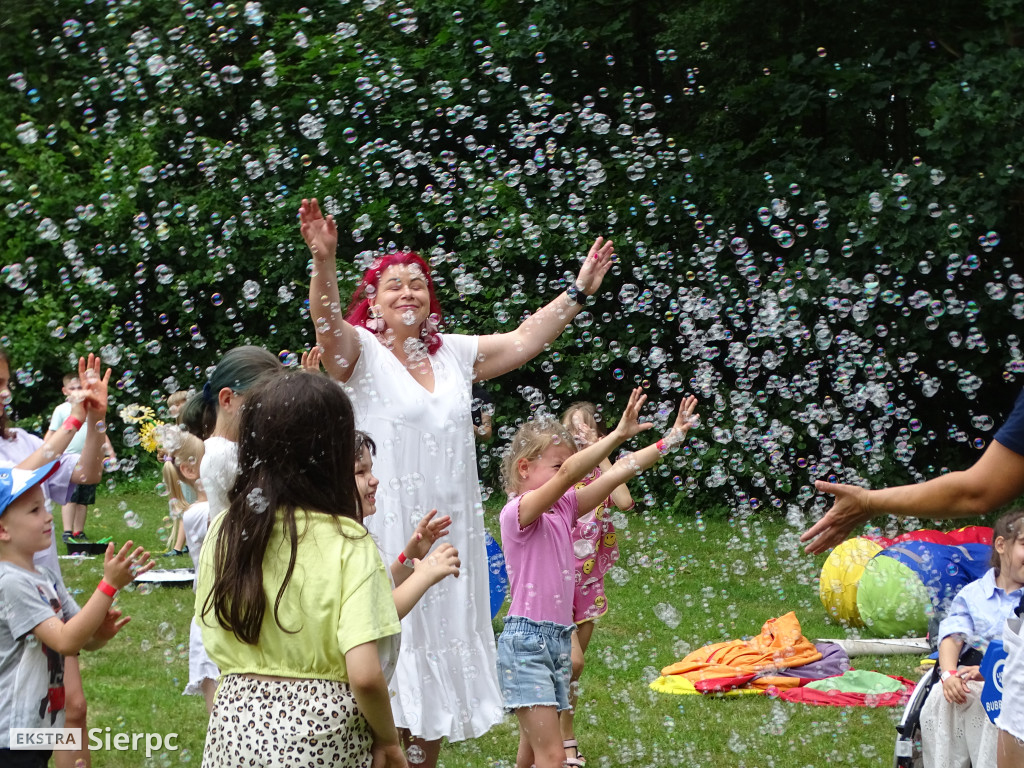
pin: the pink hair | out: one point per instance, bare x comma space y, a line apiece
359, 307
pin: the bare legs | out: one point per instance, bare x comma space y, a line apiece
566, 718
540, 741
416, 747
74, 716
1010, 752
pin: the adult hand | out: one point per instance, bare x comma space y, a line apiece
595, 266
319, 232
849, 511
630, 424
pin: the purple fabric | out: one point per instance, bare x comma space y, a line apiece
833, 661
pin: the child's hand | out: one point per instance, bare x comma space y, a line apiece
582, 433
112, 624
94, 388
955, 690
685, 418
630, 424
390, 756
121, 569
428, 530
311, 359
443, 561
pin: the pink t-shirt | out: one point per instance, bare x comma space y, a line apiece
539, 559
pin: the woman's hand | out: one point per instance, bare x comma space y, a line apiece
630, 424
319, 232
595, 266
849, 511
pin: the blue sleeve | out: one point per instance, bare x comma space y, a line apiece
1011, 434
958, 621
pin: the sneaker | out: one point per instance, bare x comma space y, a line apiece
66, 536
80, 537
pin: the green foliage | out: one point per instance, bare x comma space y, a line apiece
802, 198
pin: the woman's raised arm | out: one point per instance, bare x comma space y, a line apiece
337, 338
503, 352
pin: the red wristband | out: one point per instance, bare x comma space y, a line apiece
660, 445
72, 424
407, 562
107, 589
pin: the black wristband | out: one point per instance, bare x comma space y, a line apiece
573, 294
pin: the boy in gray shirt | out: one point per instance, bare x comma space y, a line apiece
40, 623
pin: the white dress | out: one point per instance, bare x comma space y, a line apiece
446, 684
196, 521
218, 471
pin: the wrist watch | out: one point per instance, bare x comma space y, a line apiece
573, 294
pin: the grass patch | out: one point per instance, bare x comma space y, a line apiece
723, 579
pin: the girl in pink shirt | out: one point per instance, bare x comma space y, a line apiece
540, 472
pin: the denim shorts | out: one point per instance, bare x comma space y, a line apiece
535, 663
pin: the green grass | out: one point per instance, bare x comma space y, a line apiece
724, 580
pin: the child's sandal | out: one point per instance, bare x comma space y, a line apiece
574, 762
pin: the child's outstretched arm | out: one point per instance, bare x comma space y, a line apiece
629, 466
90, 467
443, 561
537, 502
429, 529
68, 638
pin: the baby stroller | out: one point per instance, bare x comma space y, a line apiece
908, 740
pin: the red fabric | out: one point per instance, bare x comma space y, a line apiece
972, 534
837, 699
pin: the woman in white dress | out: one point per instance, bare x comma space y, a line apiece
410, 388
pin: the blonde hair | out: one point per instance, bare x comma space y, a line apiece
190, 449
589, 413
529, 442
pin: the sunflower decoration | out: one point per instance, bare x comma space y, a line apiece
149, 434
136, 413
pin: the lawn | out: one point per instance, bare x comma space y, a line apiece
681, 583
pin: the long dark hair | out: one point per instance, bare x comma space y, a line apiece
239, 369
296, 450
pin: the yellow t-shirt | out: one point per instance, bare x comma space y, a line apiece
338, 597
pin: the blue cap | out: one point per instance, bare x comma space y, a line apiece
15, 482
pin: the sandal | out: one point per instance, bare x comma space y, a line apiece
574, 762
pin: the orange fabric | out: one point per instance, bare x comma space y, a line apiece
779, 646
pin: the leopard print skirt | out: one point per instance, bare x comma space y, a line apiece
285, 723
